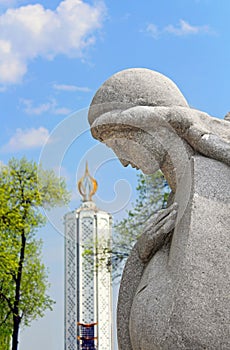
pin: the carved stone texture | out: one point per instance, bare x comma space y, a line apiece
174, 292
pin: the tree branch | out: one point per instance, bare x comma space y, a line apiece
8, 301
5, 319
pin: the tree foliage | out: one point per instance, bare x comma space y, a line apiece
152, 195
24, 189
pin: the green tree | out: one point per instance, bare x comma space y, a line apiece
152, 195
24, 189
5, 327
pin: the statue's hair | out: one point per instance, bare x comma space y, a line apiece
136, 89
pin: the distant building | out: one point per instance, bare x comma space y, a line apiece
88, 291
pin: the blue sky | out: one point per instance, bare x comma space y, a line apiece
55, 55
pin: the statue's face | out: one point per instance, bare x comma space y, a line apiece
132, 149
149, 147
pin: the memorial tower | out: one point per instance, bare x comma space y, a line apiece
88, 291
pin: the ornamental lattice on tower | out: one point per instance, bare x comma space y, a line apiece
88, 291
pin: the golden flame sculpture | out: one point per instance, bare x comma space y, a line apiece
87, 185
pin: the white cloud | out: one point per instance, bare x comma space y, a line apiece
153, 30
26, 139
182, 29
29, 108
62, 111
31, 31
50, 107
70, 88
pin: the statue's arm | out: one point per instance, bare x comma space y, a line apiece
207, 135
211, 146
157, 229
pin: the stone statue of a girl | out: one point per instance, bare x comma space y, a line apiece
174, 292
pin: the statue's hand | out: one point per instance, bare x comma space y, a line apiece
156, 231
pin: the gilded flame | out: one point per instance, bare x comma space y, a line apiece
87, 185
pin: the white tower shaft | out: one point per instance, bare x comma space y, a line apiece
88, 287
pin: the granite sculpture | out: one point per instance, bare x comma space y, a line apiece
174, 292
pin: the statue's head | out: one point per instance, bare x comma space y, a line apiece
145, 119
140, 139
135, 87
